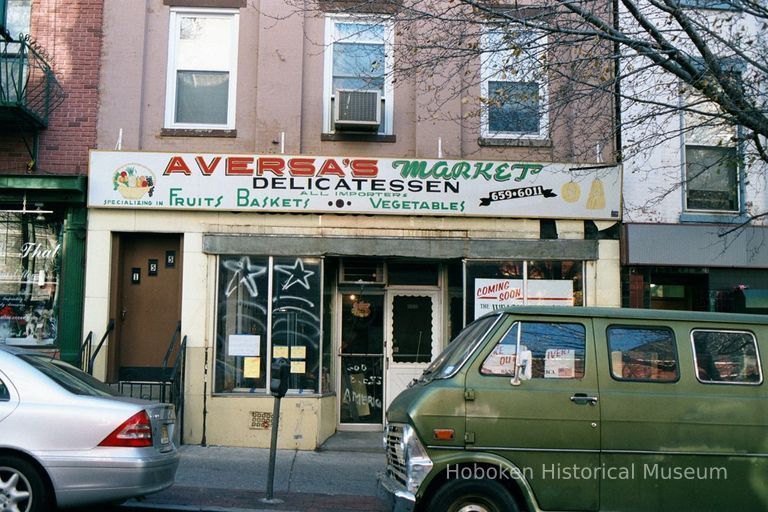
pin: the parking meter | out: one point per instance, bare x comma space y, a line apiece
278, 386
281, 372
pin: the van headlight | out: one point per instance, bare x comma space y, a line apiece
417, 462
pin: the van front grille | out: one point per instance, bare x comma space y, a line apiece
395, 455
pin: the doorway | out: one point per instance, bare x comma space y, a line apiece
388, 338
413, 334
147, 304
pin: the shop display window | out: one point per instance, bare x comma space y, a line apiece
30, 263
497, 284
268, 307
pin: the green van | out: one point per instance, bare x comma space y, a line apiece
548, 408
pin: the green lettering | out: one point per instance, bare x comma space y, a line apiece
411, 168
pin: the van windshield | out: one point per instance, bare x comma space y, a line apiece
458, 350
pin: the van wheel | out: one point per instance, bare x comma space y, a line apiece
21, 486
473, 496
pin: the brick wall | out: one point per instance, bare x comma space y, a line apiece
70, 33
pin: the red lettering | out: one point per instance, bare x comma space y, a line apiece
207, 169
239, 166
365, 168
301, 166
272, 164
331, 167
177, 164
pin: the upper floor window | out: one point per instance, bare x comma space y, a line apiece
514, 84
358, 93
711, 178
711, 159
17, 16
202, 69
726, 5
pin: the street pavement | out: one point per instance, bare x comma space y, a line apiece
341, 476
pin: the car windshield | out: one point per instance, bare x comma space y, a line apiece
67, 376
457, 351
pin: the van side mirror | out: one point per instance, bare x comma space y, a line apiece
523, 367
281, 372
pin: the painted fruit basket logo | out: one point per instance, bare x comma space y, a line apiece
133, 181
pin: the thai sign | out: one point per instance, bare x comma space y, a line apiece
385, 186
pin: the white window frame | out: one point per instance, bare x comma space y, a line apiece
488, 74
177, 13
703, 137
330, 38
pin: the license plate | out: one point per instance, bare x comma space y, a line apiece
164, 437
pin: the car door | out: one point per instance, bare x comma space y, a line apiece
9, 398
547, 425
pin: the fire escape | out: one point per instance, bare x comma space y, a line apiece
29, 91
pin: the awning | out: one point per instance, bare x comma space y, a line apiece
409, 247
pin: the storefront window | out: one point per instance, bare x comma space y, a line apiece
246, 342
493, 285
30, 252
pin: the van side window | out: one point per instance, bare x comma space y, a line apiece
726, 357
643, 353
557, 351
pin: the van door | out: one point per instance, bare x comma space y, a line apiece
682, 441
547, 425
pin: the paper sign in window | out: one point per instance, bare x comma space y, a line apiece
299, 352
280, 351
298, 366
244, 345
252, 367
560, 363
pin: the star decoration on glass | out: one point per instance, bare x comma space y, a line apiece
245, 274
296, 274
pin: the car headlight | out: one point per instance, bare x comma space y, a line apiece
417, 462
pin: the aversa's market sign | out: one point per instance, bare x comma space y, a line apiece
387, 186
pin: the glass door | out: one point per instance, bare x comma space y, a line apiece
361, 360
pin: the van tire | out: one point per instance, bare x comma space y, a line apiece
483, 495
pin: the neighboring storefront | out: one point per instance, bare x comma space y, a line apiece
709, 267
42, 249
356, 270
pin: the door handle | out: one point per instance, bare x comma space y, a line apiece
122, 314
582, 399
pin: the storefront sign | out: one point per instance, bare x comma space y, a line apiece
385, 186
492, 294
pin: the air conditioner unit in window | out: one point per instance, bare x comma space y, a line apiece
357, 110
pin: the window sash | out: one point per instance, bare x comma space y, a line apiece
513, 86
202, 69
358, 33
712, 178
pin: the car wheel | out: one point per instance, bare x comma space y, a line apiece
21, 487
472, 496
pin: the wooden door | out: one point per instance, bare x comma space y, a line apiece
148, 303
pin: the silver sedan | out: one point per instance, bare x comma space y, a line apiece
66, 440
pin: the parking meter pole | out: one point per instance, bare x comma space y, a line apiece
278, 386
273, 449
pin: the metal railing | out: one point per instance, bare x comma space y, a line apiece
86, 349
27, 81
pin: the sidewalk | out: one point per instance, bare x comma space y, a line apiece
341, 477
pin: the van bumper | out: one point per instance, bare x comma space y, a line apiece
394, 495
